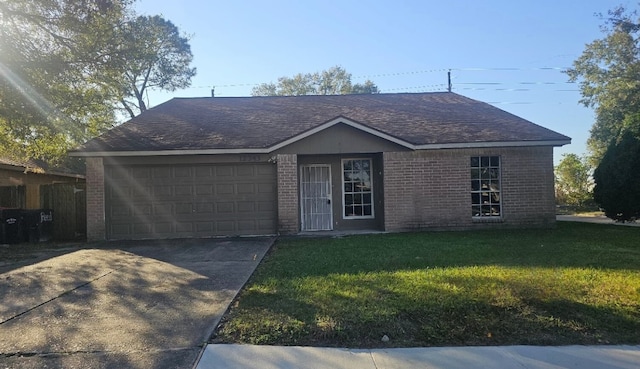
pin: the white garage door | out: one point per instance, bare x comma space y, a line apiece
177, 201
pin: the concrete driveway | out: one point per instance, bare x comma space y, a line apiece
150, 304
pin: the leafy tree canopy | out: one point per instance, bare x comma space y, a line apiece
573, 181
609, 75
158, 57
617, 177
68, 66
333, 81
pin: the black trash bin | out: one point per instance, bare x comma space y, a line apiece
10, 226
37, 225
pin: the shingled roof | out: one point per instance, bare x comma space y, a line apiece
263, 124
36, 166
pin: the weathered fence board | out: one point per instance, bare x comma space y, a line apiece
68, 202
13, 196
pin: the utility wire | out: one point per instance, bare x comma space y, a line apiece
395, 74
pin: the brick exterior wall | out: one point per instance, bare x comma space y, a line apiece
288, 209
528, 186
431, 188
95, 200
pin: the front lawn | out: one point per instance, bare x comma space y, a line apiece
576, 284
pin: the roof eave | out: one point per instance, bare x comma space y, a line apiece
477, 145
36, 170
437, 146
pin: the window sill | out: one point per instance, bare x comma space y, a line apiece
487, 219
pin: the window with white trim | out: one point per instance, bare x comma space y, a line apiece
485, 187
357, 188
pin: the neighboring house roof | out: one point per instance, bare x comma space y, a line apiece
36, 166
264, 124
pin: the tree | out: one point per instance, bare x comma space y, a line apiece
573, 184
617, 179
157, 57
609, 74
333, 81
48, 49
66, 66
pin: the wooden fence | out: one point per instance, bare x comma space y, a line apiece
13, 196
68, 202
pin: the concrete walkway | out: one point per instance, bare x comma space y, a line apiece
598, 219
516, 357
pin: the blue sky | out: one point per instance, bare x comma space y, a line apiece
507, 53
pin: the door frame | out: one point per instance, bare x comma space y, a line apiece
329, 197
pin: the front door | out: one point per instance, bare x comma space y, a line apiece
315, 196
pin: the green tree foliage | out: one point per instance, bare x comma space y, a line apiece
609, 74
49, 50
333, 81
67, 66
158, 57
617, 179
573, 181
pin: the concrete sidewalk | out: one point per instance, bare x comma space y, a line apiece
503, 357
598, 219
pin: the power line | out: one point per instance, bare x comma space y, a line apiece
395, 74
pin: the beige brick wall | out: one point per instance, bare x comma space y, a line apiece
95, 199
527, 186
288, 216
431, 188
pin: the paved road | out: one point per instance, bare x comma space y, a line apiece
121, 305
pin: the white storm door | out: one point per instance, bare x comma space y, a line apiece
315, 196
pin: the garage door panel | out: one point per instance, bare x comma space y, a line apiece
204, 208
162, 172
266, 188
190, 201
162, 210
224, 171
266, 206
141, 173
182, 172
184, 209
246, 206
204, 189
245, 188
246, 171
204, 172
247, 224
162, 192
141, 228
225, 226
225, 189
142, 210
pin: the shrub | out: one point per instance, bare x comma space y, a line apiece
617, 178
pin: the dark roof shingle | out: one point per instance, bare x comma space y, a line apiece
262, 122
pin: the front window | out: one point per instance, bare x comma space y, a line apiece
485, 186
357, 188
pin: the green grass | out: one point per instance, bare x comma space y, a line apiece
576, 284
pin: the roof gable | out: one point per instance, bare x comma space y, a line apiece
265, 124
339, 136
